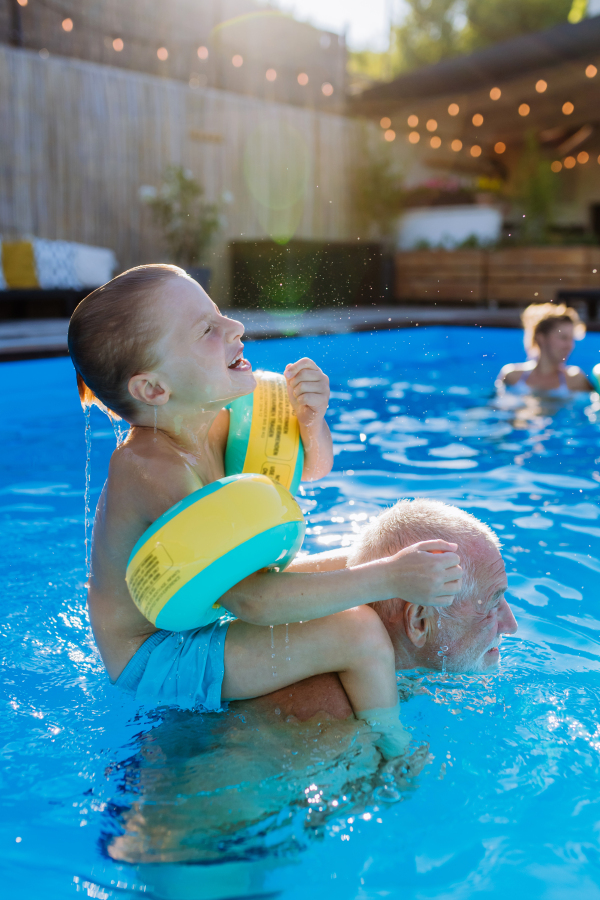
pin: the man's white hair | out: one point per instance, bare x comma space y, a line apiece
412, 521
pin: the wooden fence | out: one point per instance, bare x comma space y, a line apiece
78, 140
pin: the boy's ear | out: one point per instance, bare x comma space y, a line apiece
149, 388
417, 623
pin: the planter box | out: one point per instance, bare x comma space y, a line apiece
519, 275
306, 274
441, 275
536, 274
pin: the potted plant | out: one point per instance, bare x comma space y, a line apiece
188, 222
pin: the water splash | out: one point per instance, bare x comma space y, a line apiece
273, 666
88, 479
288, 658
121, 431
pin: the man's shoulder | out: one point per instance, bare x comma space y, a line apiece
303, 700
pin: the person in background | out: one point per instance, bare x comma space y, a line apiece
550, 332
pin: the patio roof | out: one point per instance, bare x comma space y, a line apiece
492, 66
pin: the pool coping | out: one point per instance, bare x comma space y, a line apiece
23, 339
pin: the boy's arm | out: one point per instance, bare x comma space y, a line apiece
328, 561
415, 574
308, 390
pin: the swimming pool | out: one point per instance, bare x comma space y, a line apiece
509, 802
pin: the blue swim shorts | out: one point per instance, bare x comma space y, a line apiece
179, 668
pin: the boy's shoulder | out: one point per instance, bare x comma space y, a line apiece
147, 471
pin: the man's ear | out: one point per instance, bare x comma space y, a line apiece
149, 388
417, 623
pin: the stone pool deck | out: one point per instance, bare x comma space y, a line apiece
39, 338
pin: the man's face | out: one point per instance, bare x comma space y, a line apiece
473, 629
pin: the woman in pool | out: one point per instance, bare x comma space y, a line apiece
550, 334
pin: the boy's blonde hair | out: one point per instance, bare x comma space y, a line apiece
542, 318
112, 336
411, 521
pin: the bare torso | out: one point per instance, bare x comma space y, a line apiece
574, 378
148, 474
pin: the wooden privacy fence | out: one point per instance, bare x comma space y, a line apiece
517, 275
78, 140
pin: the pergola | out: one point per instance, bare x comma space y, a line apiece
471, 114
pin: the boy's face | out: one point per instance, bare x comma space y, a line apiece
200, 351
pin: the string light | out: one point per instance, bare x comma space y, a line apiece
162, 53
202, 52
475, 150
385, 122
500, 147
413, 121
495, 93
303, 79
390, 135
454, 109
477, 120
270, 74
541, 86
583, 157
569, 162
456, 145
436, 141
591, 71
524, 109
237, 61
568, 108
431, 125
414, 137
327, 89
67, 24
556, 166
117, 44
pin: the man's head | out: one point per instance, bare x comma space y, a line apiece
468, 632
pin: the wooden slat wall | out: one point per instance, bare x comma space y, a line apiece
518, 275
535, 274
439, 275
77, 140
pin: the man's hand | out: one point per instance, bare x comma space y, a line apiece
427, 573
308, 390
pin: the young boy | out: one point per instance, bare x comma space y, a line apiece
152, 348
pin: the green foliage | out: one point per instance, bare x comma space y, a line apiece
187, 221
491, 21
433, 30
429, 33
534, 193
378, 193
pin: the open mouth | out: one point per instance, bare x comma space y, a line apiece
239, 363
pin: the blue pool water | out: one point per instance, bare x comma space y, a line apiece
508, 802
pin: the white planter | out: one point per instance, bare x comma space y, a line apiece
449, 226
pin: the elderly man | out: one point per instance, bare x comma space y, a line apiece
467, 634
264, 759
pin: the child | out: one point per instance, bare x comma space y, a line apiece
550, 332
152, 348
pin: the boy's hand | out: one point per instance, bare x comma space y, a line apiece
427, 573
308, 390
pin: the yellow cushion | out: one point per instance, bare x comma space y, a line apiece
18, 264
